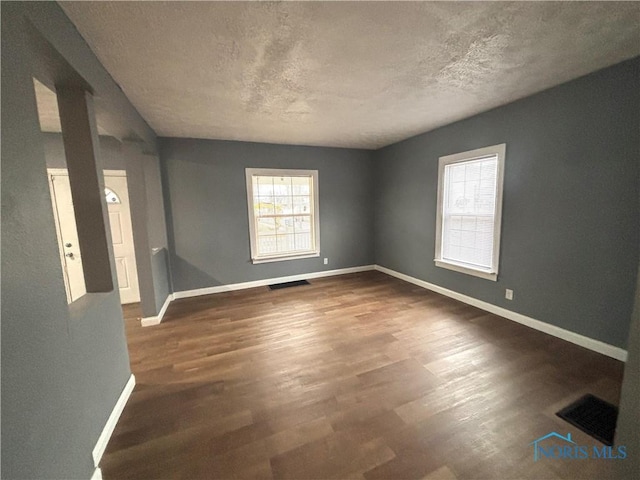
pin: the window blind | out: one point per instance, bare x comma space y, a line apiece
469, 209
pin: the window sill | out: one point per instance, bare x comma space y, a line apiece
493, 276
285, 257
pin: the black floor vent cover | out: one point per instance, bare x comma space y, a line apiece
297, 283
593, 416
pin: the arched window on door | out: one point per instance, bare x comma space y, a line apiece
111, 196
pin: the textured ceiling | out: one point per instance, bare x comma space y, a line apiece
348, 74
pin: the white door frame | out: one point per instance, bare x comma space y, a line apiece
115, 173
129, 293
51, 172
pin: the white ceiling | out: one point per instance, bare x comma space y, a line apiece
344, 74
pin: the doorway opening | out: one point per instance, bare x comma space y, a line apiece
116, 202
119, 209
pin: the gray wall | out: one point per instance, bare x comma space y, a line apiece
161, 277
63, 367
157, 231
147, 217
157, 227
629, 416
207, 209
570, 230
110, 152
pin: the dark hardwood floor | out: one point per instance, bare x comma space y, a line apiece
360, 376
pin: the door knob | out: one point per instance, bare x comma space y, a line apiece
68, 245
70, 255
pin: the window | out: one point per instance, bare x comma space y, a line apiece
469, 211
283, 214
111, 196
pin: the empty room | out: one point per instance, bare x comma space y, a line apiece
320, 240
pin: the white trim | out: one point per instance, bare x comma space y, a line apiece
149, 321
111, 173
97, 474
58, 171
114, 173
282, 258
464, 269
104, 437
269, 281
497, 151
586, 342
315, 213
51, 174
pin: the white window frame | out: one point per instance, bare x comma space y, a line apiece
472, 155
315, 213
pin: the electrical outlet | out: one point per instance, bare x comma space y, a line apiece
508, 294
326, 261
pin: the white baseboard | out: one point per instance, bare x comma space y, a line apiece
97, 474
148, 321
586, 342
104, 437
269, 281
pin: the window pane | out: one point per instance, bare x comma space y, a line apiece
265, 186
111, 196
301, 185
266, 226
284, 225
301, 204
468, 212
456, 200
457, 172
487, 189
302, 224
283, 205
283, 214
282, 186
303, 241
472, 172
264, 206
468, 223
286, 243
267, 244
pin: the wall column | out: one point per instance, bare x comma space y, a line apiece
81, 144
134, 159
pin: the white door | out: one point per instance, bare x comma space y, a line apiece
67, 237
122, 236
117, 198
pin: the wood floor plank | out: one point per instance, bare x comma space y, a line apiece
359, 376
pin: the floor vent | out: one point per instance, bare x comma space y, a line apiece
593, 416
297, 283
